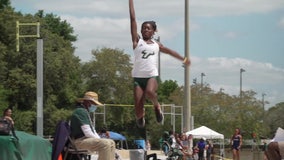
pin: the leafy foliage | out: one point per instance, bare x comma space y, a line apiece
274, 118
109, 74
62, 81
4, 4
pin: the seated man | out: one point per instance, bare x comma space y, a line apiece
85, 134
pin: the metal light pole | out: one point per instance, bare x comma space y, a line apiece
263, 114
241, 79
194, 81
202, 75
187, 104
39, 74
263, 94
201, 84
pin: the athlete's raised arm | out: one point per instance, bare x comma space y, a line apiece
133, 24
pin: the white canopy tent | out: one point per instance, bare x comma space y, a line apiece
279, 135
208, 133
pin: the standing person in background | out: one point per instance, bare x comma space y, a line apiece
195, 152
148, 145
184, 141
201, 148
236, 142
185, 147
145, 68
209, 149
190, 146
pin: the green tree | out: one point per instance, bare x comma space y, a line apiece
274, 119
218, 110
177, 96
165, 89
4, 4
109, 74
55, 25
250, 114
62, 70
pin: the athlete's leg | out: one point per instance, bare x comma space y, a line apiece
139, 99
238, 155
151, 93
235, 152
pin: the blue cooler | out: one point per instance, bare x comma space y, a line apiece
140, 143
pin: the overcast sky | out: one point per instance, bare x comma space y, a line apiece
225, 36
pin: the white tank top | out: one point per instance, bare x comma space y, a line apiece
146, 57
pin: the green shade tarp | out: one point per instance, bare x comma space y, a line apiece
28, 147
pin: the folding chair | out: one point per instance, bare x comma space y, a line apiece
63, 143
72, 150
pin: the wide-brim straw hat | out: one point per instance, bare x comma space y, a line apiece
90, 96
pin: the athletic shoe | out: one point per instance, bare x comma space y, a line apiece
140, 122
159, 115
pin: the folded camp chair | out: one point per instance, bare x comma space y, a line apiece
63, 143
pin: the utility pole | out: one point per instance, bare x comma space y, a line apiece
241, 80
263, 102
187, 105
241, 83
39, 69
202, 75
201, 88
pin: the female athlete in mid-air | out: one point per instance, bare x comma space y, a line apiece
145, 69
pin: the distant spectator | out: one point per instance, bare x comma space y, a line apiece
175, 145
190, 146
209, 149
201, 148
236, 142
104, 133
7, 114
264, 148
148, 145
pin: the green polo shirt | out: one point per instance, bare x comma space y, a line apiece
79, 117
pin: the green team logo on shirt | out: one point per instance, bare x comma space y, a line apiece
147, 54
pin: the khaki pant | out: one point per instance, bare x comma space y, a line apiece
104, 147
